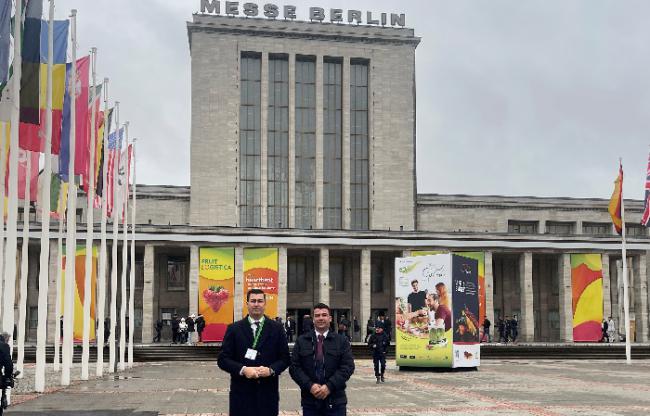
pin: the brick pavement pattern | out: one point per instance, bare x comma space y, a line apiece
540, 388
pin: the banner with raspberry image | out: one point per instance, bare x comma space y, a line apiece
216, 289
261, 272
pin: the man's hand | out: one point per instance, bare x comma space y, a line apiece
251, 372
263, 372
323, 392
315, 389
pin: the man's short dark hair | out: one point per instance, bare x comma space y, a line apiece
254, 292
414, 281
322, 306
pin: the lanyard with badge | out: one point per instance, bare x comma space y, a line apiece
251, 353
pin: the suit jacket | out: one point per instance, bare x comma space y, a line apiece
338, 366
255, 397
5, 360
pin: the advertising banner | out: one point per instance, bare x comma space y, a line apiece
216, 289
587, 297
480, 257
423, 317
261, 272
79, 295
465, 300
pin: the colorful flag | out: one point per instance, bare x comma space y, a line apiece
81, 129
99, 187
114, 147
123, 178
58, 197
32, 137
645, 220
5, 39
99, 121
615, 202
31, 62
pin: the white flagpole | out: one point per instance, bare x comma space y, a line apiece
58, 339
24, 268
101, 301
626, 299
44, 271
132, 276
3, 172
12, 215
116, 164
125, 244
71, 238
90, 226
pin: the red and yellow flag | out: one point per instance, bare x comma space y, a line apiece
616, 201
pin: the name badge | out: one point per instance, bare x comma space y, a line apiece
251, 354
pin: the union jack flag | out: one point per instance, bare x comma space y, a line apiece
645, 220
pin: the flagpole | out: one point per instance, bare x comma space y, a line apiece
12, 215
24, 267
122, 210
101, 302
3, 172
90, 226
116, 161
44, 271
58, 338
132, 277
71, 238
626, 299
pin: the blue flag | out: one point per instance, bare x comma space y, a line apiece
5, 38
60, 41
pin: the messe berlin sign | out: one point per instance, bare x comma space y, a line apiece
316, 14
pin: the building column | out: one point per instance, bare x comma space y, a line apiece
607, 294
365, 290
324, 276
292, 141
264, 139
282, 282
566, 298
345, 147
640, 299
489, 291
319, 142
239, 282
193, 287
51, 291
147, 295
527, 318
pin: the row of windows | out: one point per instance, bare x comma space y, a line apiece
569, 228
250, 203
300, 270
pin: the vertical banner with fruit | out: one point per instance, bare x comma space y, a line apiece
423, 314
79, 292
261, 272
216, 288
465, 300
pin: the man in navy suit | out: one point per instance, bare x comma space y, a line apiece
255, 352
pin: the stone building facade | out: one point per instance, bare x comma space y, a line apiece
303, 139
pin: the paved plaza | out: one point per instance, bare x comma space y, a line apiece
542, 388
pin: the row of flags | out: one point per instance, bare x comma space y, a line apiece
99, 164
616, 201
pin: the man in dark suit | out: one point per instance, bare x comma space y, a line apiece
321, 365
6, 365
255, 352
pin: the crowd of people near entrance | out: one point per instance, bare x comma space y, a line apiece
185, 330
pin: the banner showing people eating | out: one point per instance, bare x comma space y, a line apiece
436, 311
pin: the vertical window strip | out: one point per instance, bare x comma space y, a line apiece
359, 165
278, 143
305, 145
332, 143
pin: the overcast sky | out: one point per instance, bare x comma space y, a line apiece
513, 97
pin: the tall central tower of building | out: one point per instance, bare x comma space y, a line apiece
302, 125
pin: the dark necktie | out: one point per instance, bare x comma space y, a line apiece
319, 349
256, 328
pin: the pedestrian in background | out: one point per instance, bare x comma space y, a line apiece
191, 329
175, 323
514, 328
611, 329
182, 331
501, 327
290, 328
307, 324
200, 326
344, 327
370, 329
379, 343
486, 330
159, 327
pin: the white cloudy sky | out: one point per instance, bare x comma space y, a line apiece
514, 97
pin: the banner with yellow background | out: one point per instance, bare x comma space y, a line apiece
216, 289
261, 272
79, 295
